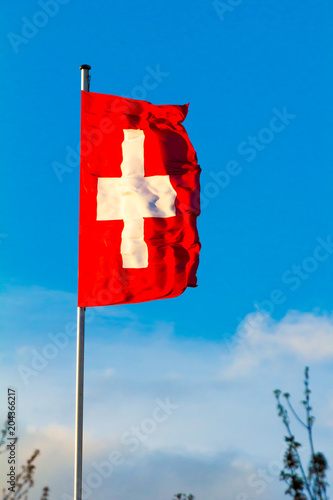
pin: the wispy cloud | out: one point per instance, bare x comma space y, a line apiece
222, 432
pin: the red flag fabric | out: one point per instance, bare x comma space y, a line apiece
139, 201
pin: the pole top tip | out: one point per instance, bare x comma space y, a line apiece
85, 66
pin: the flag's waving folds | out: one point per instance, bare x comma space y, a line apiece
139, 201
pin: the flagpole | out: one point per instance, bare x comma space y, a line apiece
85, 80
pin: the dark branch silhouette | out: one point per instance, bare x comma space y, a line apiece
183, 496
303, 484
24, 480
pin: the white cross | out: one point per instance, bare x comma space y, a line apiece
133, 197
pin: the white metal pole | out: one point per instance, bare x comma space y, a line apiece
80, 362
79, 404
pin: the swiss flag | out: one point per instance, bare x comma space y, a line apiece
139, 201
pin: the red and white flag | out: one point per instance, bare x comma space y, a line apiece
139, 201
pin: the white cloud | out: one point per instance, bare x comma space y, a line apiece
224, 431
300, 337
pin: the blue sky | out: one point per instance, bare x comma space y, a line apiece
257, 76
